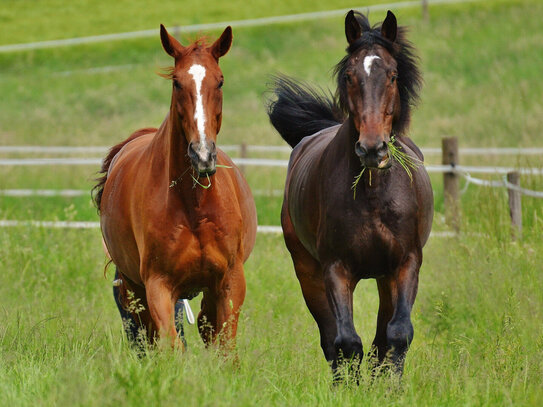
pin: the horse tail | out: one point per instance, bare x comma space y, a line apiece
300, 111
98, 189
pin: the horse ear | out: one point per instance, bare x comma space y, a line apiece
389, 29
169, 43
353, 30
223, 44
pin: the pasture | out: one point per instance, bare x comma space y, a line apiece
478, 315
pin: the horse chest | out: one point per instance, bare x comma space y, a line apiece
191, 251
367, 240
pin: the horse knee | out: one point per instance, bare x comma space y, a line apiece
400, 335
348, 346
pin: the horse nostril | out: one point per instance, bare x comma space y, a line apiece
382, 151
360, 150
191, 149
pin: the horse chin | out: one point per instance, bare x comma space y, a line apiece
383, 165
204, 170
207, 173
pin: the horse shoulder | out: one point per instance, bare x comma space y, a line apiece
238, 188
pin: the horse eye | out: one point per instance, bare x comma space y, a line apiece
393, 78
348, 79
220, 84
176, 85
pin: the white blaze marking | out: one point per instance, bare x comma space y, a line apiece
198, 73
368, 61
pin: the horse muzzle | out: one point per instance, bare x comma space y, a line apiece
203, 158
376, 156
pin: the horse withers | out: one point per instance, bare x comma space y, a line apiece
351, 210
176, 214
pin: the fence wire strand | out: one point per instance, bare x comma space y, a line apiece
503, 183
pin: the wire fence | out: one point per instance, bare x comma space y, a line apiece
102, 150
450, 169
501, 183
464, 171
219, 25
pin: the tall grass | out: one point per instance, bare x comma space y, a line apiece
478, 336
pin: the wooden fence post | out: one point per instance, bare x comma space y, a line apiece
451, 194
425, 14
243, 154
515, 207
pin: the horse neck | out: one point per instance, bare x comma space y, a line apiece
343, 145
170, 149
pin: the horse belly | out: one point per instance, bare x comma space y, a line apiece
120, 240
117, 208
122, 247
301, 190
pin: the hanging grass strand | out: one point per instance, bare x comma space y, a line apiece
407, 162
356, 181
196, 182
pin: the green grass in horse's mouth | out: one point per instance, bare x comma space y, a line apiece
407, 162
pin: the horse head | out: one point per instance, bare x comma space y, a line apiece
197, 84
368, 86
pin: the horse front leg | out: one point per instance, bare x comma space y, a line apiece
161, 307
394, 328
311, 278
339, 290
221, 305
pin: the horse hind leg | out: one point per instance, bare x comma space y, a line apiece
132, 306
380, 346
178, 312
129, 323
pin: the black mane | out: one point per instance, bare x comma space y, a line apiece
409, 77
300, 111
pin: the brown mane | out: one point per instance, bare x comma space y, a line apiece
98, 189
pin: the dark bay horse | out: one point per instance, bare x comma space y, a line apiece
335, 237
173, 223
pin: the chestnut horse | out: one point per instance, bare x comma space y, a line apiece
336, 238
175, 224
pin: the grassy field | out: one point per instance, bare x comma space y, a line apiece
478, 330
